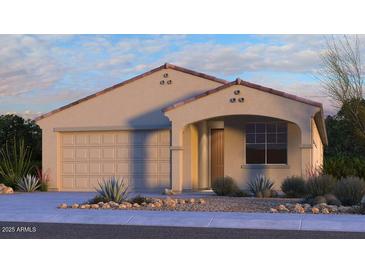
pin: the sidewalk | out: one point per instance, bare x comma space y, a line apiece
41, 207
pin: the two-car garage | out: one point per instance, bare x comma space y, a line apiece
141, 157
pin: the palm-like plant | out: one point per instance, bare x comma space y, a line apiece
15, 162
28, 183
113, 189
261, 187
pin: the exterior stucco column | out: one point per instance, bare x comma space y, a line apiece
176, 157
306, 147
203, 155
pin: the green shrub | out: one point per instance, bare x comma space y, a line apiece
320, 185
139, 199
15, 162
350, 190
28, 183
294, 187
261, 187
113, 189
225, 186
344, 166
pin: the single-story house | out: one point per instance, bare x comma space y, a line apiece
175, 128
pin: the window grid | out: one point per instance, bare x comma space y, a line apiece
266, 128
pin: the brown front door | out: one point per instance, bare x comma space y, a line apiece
216, 154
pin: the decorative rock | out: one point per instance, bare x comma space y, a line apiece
201, 201
114, 204
105, 206
158, 205
136, 205
62, 205
75, 206
299, 209
315, 210
151, 205
282, 208
127, 204
5, 189
332, 208
181, 201
122, 206
168, 192
144, 204
95, 206
192, 201
273, 210
100, 204
82, 206
325, 211
87, 206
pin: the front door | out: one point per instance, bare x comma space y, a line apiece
216, 154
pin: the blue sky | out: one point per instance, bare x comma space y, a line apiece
41, 72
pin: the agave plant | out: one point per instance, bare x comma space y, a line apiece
113, 189
15, 162
261, 187
28, 183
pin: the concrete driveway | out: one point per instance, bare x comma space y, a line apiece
42, 207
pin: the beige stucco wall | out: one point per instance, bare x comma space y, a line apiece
137, 104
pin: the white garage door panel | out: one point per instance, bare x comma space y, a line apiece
142, 158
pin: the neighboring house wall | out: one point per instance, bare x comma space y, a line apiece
136, 104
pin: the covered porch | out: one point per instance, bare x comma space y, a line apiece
240, 131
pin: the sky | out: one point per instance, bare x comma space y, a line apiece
39, 73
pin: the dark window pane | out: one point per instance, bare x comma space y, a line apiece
260, 128
250, 138
255, 154
260, 138
271, 127
271, 137
282, 127
282, 138
250, 128
276, 154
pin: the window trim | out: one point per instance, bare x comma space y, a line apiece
278, 165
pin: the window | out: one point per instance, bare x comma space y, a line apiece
266, 143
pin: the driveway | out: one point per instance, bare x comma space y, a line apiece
42, 207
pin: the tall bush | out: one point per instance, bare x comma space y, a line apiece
225, 186
320, 185
350, 190
344, 166
294, 187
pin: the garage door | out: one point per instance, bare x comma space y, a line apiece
141, 157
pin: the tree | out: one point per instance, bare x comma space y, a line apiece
343, 80
15, 128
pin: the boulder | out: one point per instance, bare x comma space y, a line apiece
201, 201
95, 206
122, 206
181, 201
113, 204
158, 205
168, 192
282, 208
325, 211
191, 201
106, 206
100, 204
136, 205
273, 210
5, 189
82, 206
75, 206
315, 210
299, 209
87, 206
63, 205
